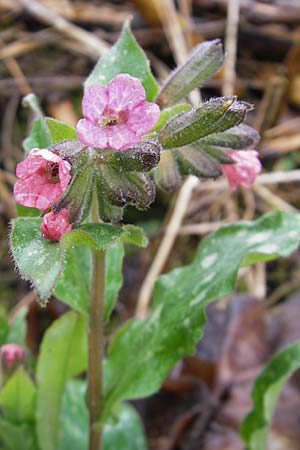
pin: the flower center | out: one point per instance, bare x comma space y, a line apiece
109, 119
52, 171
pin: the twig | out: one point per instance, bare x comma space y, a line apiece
25, 302
273, 200
166, 245
231, 46
173, 30
47, 15
200, 228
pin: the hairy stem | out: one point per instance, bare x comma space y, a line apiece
95, 351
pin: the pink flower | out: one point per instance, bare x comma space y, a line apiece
11, 355
116, 116
54, 225
43, 176
245, 170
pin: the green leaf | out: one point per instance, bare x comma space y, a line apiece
62, 356
74, 284
145, 350
265, 393
18, 328
17, 437
36, 258
24, 211
125, 433
240, 137
202, 62
17, 398
126, 56
60, 131
39, 135
42, 261
113, 276
214, 116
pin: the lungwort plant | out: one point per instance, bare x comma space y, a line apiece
68, 240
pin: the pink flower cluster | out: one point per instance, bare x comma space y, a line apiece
116, 116
243, 173
42, 178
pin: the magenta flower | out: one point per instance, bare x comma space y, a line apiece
245, 170
43, 176
116, 116
54, 225
11, 355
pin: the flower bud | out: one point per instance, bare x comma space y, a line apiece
133, 188
237, 138
217, 153
78, 195
11, 356
141, 157
203, 61
166, 175
214, 116
68, 149
194, 161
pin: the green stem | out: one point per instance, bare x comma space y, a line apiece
95, 351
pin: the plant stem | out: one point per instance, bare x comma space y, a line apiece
95, 351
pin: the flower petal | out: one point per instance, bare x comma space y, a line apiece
94, 102
143, 117
35, 187
35, 191
91, 134
124, 93
121, 137
245, 170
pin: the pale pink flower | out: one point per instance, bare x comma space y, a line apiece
116, 116
43, 176
54, 225
243, 173
11, 355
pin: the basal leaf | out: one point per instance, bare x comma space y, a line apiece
265, 393
42, 261
63, 354
126, 56
17, 398
125, 433
145, 350
60, 131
